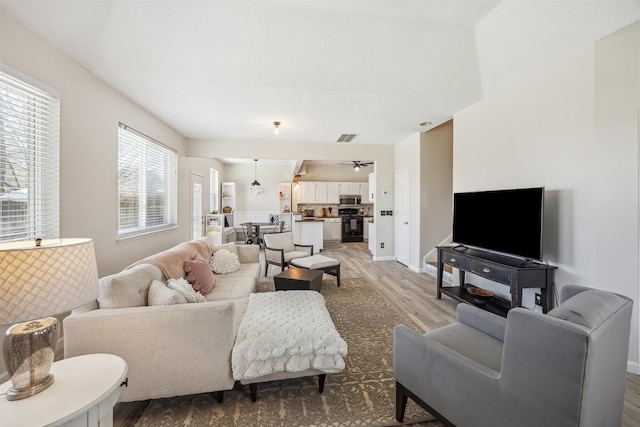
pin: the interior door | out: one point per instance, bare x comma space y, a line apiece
402, 243
197, 214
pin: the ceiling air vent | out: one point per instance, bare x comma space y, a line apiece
347, 137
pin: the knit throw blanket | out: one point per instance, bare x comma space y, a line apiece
171, 261
286, 331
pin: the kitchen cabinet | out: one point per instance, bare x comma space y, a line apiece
372, 187
309, 233
306, 192
333, 193
321, 192
312, 192
367, 223
332, 229
364, 191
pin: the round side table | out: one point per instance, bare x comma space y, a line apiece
84, 392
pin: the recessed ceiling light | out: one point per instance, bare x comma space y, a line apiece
425, 124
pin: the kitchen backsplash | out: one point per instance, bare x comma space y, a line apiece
365, 209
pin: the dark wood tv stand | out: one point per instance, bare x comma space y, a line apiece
513, 272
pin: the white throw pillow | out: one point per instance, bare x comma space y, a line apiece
224, 261
160, 294
186, 290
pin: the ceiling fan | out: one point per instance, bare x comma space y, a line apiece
357, 164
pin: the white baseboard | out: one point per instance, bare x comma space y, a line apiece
416, 269
384, 258
4, 377
633, 367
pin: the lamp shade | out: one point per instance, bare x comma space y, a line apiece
56, 277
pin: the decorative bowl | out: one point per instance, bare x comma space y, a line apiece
480, 295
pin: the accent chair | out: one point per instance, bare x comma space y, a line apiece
564, 368
279, 249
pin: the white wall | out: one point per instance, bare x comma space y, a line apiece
574, 130
269, 177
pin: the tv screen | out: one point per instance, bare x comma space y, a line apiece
506, 221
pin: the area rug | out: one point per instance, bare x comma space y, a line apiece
361, 395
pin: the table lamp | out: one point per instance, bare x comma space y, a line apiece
41, 278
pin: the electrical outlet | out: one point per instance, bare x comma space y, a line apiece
538, 299
383, 213
381, 245
389, 213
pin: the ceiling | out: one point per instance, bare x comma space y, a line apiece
226, 70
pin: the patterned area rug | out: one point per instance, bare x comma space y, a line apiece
361, 395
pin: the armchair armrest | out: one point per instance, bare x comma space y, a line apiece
306, 248
170, 350
489, 323
274, 255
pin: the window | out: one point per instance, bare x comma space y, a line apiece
147, 184
29, 161
214, 201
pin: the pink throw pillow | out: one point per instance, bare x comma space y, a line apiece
199, 274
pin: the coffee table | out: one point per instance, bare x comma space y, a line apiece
298, 279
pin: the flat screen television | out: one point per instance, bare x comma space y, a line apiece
505, 221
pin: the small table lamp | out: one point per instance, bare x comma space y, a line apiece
41, 278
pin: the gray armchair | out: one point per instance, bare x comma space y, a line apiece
563, 368
279, 249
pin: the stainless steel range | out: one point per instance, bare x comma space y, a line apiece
352, 225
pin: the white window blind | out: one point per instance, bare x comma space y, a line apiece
147, 184
29, 161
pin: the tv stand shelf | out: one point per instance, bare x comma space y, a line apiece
513, 272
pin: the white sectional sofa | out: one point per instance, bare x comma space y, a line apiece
170, 350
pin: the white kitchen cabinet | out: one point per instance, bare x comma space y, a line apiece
364, 191
312, 192
321, 192
354, 187
332, 229
333, 193
309, 233
367, 224
372, 187
306, 192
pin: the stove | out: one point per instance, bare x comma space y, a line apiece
352, 225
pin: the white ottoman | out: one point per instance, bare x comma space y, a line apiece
319, 262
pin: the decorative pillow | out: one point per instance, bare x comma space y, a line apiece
199, 274
129, 288
231, 247
160, 294
224, 261
186, 290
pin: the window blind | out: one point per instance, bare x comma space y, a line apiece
29, 161
147, 183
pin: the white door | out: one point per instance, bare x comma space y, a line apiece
401, 212
197, 217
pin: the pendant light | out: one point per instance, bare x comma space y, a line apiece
255, 185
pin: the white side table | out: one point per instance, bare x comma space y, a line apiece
84, 392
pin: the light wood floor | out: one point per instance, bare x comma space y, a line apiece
414, 294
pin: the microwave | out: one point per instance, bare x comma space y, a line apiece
350, 200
